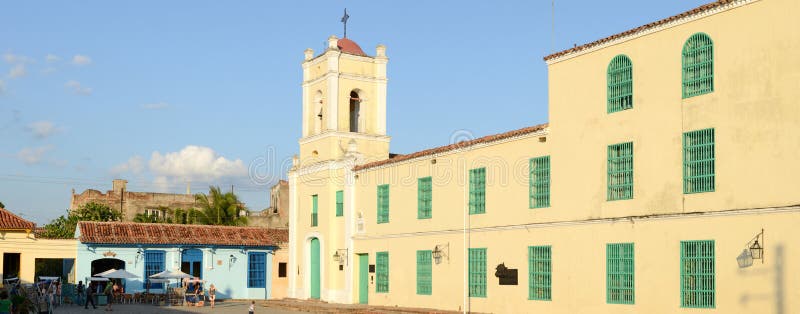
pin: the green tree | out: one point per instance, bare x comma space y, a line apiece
219, 208
2, 205
64, 226
176, 216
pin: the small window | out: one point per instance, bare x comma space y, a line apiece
698, 65
314, 208
620, 84
477, 191
339, 203
383, 203
424, 198
619, 273
539, 182
154, 263
620, 172
281, 270
256, 269
382, 272
698, 161
698, 280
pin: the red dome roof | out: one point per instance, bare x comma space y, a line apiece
349, 46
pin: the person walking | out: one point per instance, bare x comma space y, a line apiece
5, 304
90, 292
252, 308
109, 292
80, 289
212, 291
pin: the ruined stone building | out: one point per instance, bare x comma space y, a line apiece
277, 214
131, 203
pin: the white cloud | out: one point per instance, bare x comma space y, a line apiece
81, 60
42, 129
50, 58
77, 88
155, 106
134, 165
15, 59
196, 163
17, 71
33, 155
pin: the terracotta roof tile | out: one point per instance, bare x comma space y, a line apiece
691, 12
151, 233
459, 145
9, 220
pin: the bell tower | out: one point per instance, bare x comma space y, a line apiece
344, 103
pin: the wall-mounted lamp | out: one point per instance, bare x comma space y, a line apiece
341, 258
441, 251
139, 254
232, 259
753, 250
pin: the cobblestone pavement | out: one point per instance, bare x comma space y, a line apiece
239, 307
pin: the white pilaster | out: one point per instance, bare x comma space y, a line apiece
292, 269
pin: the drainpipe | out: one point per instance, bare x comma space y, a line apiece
466, 301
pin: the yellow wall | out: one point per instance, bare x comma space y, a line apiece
280, 285
31, 248
754, 113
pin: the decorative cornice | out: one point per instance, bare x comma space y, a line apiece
630, 219
349, 135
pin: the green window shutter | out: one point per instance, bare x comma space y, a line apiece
539, 273
477, 191
424, 272
698, 280
698, 161
539, 182
620, 84
477, 272
619, 273
382, 272
339, 203
383, 203
424, 198
314, 204
620, 172
698, 65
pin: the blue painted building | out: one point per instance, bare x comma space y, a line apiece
237, 260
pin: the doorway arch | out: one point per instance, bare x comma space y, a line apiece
103, 264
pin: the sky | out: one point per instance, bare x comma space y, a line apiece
162, 93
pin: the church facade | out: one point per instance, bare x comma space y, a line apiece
664, 181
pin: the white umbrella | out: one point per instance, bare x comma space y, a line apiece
171, 274
121, 274
105, 272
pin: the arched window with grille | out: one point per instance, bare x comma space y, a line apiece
620, 84
698, 65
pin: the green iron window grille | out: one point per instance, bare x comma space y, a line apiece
539, 182
619, 273
477, 272
539, 273
383, 203
620, 172
620, 84
382, 272
424, 198
698, 65
339, 203
698, 161
424, 272
697, 274
477, 191
314, 207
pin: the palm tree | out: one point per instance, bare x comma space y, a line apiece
219, 208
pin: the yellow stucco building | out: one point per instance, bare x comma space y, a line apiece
664, 182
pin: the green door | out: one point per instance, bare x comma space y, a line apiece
363, 278
315, 268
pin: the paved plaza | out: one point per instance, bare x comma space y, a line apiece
228, 307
